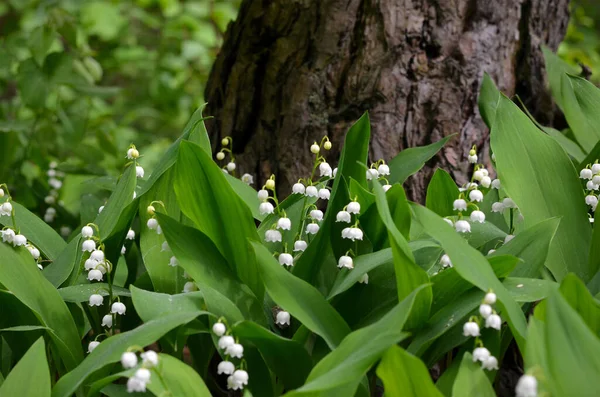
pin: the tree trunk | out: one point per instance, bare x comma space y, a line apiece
291, 71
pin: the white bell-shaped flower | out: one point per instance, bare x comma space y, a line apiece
356, 233
596, 168
481, 354
490, 298
312, 228
462, 226
35, 253
139, 171
88, 246
262, 194
591, 200
471, 329
190, 286
241, 377
325, 170
118, 308
130, 234
298, 188
173, 262
236, 350
347, 232
317, 215
248, 179
324, 194
478, 216
527, 386
343, 216
314, 148
445, 261
272, 236
135, 385
383, 169
232, 384
493, 321
286, 259
219, 329
96, 300
372, 174
225, 367
149, 358
231, 166
472, 158
90, 264
19, 240
496, 184
498, 207
8, 235
92, 345
476, 195
596, 179
364, 279
300, 245
508, 238
460, 205
311, 191
94, 274
509, 203
346, 261
353, 207
107, 321
284, 224
129, 360
270, 184
591, 186
165, 247
97, 255
485, 310
586, 173
486, 181
283, 318
143, 375
152, 224
490, 364
266, 208
6, 209
225, 341
477, 175
132, 153
87, 231
386, 187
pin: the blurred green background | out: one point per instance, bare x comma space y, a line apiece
80, 80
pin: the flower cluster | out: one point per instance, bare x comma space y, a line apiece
55, 182
142, 376
229, 168
472, 328
96, 264
379, 170
353, 232
238, 378
591, 173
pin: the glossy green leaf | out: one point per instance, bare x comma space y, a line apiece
287, 358
349, 362
411, 160
208, 200
471, 381
300, 299
30, 377
177, 379
81, 292
529, 163
404, 375
153, 305
472, 266
580, 299
110, 350
38, 232
571, 147
20, 275
66, 263
581, 100
488, 100
441, 193
556, 68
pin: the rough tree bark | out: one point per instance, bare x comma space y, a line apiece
291, 71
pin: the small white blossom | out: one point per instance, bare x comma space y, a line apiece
325, 170
55, 183
596, 179
343, 216
476, 195
118, 308
100, 209
173, 261
130, 234
107, 321
485, 310
478, 175
149, 358
143, 375
132, 153
508, 238
135, 385
219, 329
93, 344
283, 318
490, 298
90, 264
462, 226
496, 184
225, 341
490, 364
19, 240
386, 187
266, 208
35, 253
139, 171
48, 218
97, 255
152, 224
286, 259
372, 173
314, 148
526, 386
8, 235
232, 384
471, 329
383, 169
220, 156
478, 216
300, 245
592, 201
460, 205
94, 275
346, 261
248, 179
498, 207
509, 203
262, 194
225, 367
87, 231
445, 261
364, 279
284, 224
270, 184
312, 228
273, 236
595, 168
311, 191
590, 185
472, 157
317, 215
586, 173
353, 207
494, 321
298, 188
129, 360
50, 200
96, 300
490, 252
236, 350
486, 181
352, 233
6, 209
324, 194
1, 192
165, 247
189, 286
327, 145
231, 166
481, 353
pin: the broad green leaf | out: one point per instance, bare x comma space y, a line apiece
354, 153
153, 305
110, 350
30, 377
300, 299
489, 97
529, 163
81, 292
404, 375
287, 358
441, 193
350, 361
39, 42
408, 274
531, 246
411, 160
471, 381
529, 289
472, 266
362, 264
484, 233
573, 351
38, 232
556, 68
177, 379
580, 299
20, 275
208, 200
201, 259
66, 263
581, 100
